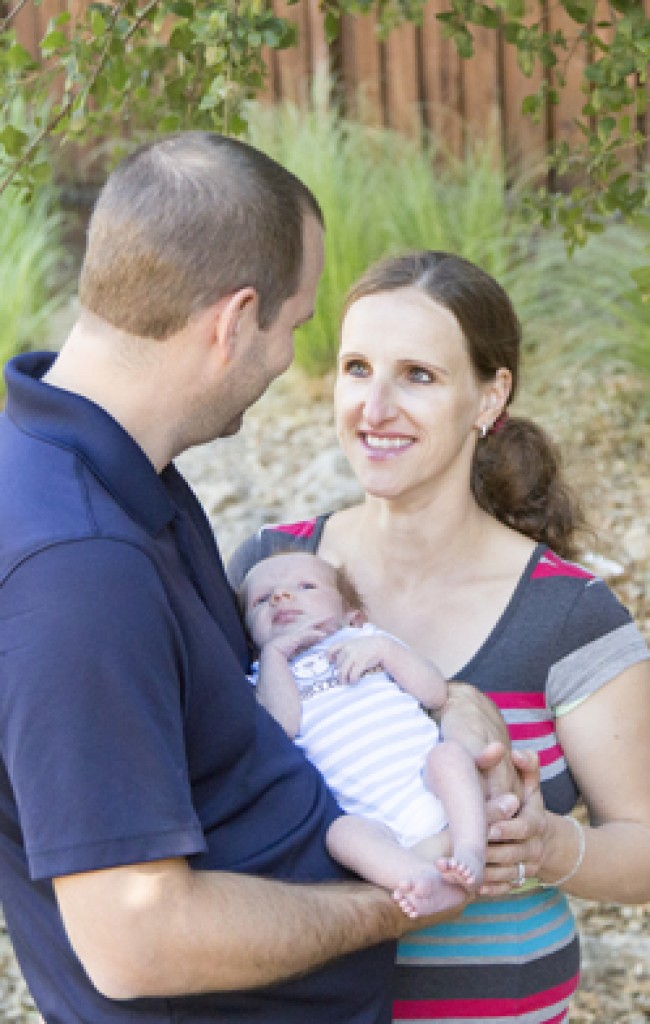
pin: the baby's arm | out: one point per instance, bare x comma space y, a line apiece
277, 691
276, 687
413, 673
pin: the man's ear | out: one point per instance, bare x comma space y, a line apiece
235, 317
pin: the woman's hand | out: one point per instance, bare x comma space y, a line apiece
516, 841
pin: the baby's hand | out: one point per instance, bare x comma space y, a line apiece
356, 657
298, 639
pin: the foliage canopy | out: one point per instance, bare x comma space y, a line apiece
129, 68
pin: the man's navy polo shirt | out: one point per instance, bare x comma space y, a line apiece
128, 730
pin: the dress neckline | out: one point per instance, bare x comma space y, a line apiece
503, 620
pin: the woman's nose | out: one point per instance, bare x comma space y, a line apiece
379, 404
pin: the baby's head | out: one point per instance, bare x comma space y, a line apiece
295, 588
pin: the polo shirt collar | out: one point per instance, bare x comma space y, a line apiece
73, 422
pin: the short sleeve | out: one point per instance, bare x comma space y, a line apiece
268, 541
599, 641
92, 727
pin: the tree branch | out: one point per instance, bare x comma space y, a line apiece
72, 98
4, 25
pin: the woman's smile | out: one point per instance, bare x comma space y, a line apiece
385, 444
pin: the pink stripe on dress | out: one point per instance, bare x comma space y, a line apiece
305, 528
486, 1009
551, 564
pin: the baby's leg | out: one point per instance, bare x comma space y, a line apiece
451, 774
372, 851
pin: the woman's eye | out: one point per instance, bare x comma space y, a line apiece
419, 375
355, 368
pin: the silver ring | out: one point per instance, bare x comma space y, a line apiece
521, 875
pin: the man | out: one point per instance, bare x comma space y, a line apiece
154, 821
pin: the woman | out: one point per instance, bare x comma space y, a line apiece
460, 550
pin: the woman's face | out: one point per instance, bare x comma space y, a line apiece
407, 400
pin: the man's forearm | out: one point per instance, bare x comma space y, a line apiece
161, 929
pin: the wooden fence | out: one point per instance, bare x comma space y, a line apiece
415, 80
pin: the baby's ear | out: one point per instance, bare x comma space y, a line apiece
355, 617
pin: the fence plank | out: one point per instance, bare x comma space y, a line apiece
524, 139
294, 67
443, 101
482, 87
402, 90
362, 69
571, 99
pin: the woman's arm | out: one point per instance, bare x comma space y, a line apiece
606, 742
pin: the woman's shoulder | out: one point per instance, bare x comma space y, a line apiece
581, 603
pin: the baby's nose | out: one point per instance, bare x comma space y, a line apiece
282, 594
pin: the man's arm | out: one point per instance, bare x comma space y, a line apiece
161, 929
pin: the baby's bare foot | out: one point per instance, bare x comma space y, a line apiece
425, 895
456, 873
465, 869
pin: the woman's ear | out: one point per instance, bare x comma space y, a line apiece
494, 398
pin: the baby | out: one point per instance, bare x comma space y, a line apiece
354, 699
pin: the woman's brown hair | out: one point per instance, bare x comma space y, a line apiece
516, 473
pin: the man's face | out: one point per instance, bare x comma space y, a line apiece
265, 354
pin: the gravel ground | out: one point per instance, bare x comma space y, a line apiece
287, 449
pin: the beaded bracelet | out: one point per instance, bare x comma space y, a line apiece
582, 843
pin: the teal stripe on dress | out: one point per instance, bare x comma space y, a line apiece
497, 926
497, 930
517, 947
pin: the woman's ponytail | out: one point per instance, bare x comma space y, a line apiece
516, 477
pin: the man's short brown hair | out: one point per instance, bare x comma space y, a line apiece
185, 220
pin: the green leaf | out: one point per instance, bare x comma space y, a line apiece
13, 139
580, 10
118, 74
332, 26
183, 9
53, 40
19, 59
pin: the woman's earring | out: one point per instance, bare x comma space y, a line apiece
484, 431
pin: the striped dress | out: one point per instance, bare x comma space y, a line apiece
562, 636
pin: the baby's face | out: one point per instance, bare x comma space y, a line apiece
287, 592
